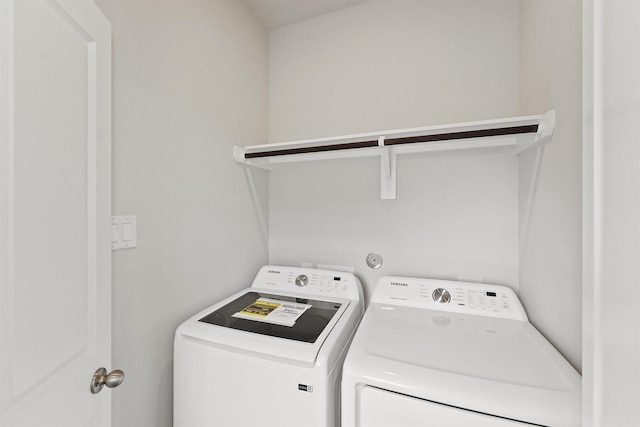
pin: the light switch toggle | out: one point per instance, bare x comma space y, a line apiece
124, 231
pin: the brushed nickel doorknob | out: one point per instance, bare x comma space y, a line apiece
101, 378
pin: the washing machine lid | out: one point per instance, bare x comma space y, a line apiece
280, 316
299, 343
502, 367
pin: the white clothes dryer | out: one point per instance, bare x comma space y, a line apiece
453, 354
270, 355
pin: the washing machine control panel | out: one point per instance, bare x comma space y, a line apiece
310, 281
443, 295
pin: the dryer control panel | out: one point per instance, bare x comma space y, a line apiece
451, 296
309, 281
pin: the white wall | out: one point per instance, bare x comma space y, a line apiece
386, 65
393, 64
189, 81
550, 260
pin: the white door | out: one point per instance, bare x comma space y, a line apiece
55, 202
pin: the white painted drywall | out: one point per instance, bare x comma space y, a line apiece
393, 64
550, 260
386, 65
189, 81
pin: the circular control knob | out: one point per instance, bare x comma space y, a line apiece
441, 295
302, 280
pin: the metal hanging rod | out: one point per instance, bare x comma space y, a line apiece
483, 133
316, 149
447, 136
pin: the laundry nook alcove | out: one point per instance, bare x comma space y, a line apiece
453, 199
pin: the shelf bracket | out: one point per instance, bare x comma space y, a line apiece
238, 156
387, 171
546, 128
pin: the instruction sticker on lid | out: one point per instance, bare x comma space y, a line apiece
273, 311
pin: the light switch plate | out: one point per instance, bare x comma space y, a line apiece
124, 231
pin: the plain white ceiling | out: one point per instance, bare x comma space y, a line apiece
278, 13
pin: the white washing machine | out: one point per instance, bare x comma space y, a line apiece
443, 353
270, 355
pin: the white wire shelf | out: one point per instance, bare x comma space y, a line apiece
516, 134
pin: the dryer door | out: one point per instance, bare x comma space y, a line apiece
385, 408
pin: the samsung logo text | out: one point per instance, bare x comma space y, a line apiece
399, 284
